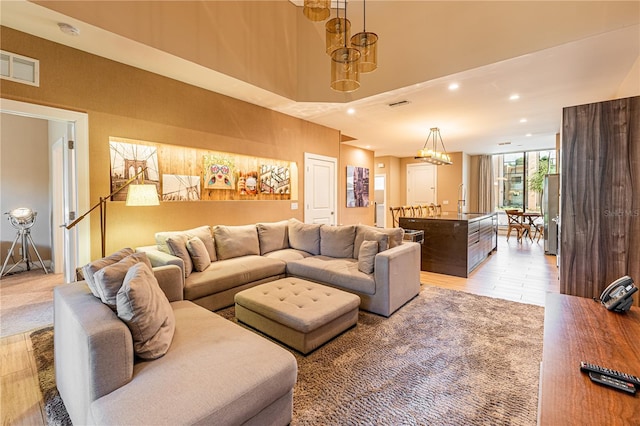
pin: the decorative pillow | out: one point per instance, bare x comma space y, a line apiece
202, 232
304, 236
89, 270
199, 254
367, 233
236, 241
177, 245
367, 256
273, 236
147, 312
109, 279
395, 234
337, 241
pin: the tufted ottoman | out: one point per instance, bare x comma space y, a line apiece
299, 313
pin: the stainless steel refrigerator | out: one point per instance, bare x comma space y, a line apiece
551, 212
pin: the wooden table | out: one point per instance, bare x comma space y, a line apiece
579, 329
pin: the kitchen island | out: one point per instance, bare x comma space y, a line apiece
455, 243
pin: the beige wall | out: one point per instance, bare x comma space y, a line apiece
126, 102
24, 181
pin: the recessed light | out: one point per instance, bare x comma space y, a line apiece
367, 146
454, 86
523, 120
514, 97
528, 135
68, 29
351, 111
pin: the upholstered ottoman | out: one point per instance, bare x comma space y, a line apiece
299, 313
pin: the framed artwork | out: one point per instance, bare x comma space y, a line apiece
180, 188
357, 186
129, 159
219, 171
275, 179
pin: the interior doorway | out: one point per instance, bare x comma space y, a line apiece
320, 189
421, 184
69, 165
380, 195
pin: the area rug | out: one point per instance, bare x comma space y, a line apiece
445, 358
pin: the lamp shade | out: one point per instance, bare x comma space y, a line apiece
344, 69
337, 33
367, 44
142, 195
316, 10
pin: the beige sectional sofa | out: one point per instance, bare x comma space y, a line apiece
212, 371
373, 263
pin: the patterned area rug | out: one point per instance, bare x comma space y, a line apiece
445, 358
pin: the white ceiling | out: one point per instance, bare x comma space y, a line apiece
476, 118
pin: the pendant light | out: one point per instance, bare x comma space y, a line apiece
337, 30
317, 10
344, 64
432, 155
367, 44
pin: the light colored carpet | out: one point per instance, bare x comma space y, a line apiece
446, 358
26, 301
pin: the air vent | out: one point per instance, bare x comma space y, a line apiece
399, 103
504, 143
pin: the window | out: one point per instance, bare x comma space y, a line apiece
519, 177
19, 68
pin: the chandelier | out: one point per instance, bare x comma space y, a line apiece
431, 154
350, 56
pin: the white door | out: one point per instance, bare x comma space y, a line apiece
320, 191
421, 184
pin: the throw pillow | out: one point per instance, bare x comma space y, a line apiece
370, 234
199, 254
145, 309
236, 241
367, 256
395, 234
202, 232
337, 241
89, 270
110, 278
304, 236
178, 247
273, 236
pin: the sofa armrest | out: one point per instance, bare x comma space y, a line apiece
93, 349
171, 281
160, 258
397, 274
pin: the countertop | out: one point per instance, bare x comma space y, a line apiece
470, 217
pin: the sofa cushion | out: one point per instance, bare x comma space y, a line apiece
273, 236
367, 256
177, 245
287, 254
367, 233
342, 273
91, 268
215, 371
236, 241
225, 274
110, 278
199, 254
337, 241
202, 232
304, 236
146, 310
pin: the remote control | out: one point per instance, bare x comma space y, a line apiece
585, 366
614, 383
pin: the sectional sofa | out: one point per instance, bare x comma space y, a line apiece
195, 367
373, 263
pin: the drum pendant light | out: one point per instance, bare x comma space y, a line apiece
317, 10
367, 44
337, 31
344, 64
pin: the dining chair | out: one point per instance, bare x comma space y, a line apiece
407, 211
515, 222
396, 212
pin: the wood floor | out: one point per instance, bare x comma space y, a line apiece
517, 271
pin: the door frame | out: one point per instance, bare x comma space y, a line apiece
80, 252
307, 182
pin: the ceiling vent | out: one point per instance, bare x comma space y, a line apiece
504, 143
399, 103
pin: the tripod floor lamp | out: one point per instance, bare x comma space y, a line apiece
138, 195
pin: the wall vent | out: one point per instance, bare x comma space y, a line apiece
399, 103
20, 69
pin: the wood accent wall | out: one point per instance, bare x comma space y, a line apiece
600, 196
